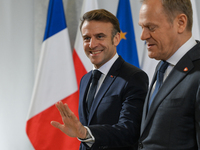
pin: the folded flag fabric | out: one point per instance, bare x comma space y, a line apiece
55, 81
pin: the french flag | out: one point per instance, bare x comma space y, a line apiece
55, 81
82, 64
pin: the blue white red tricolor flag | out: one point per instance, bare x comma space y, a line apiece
55, 81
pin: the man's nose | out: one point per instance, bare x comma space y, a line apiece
93, 43
145, 34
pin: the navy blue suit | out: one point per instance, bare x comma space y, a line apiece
115, 114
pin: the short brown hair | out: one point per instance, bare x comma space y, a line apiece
103, 16
174, 7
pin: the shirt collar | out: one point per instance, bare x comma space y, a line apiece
182, 51
106, 67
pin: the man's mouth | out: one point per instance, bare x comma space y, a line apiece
95, 52
150, 45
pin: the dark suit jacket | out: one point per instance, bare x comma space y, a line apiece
173, 121
115, 115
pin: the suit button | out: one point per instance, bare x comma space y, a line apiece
103, 147
140, 145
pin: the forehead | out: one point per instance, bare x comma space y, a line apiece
151, 12
96, 27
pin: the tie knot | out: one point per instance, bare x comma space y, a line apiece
163, 66
96, 74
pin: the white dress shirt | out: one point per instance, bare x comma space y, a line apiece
104, 70
174, 59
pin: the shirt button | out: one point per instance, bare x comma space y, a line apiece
140, 145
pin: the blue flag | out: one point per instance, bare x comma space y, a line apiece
127, 47
55, 18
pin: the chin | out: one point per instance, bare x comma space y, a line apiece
151, 56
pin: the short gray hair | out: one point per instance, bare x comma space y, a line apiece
174, 7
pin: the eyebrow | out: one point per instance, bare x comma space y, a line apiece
147, 24
85, 36
94, 34
100, 34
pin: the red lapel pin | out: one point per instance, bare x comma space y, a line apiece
111, 76
185, 69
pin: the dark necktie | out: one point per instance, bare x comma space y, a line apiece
95, 77
159, 79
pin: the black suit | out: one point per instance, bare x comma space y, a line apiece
115, 115
173, 121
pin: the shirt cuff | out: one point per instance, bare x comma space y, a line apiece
89, 140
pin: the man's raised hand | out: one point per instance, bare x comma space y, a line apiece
71, 125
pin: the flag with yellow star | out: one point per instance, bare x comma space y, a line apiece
127, 47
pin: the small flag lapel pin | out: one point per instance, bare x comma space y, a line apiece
111, 76
185, 69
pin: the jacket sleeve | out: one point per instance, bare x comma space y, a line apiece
197, 116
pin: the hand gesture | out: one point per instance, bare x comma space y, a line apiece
72, 126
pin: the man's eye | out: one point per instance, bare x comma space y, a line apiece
100, 36
86, 38
151, 28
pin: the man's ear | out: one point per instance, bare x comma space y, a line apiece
116, 39
181, 23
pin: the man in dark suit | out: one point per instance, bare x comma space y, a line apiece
112, 120
171, 114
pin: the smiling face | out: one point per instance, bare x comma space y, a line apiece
99, 46
161, 35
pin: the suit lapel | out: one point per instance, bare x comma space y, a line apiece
145, 109
110, 77
184, 66
83, 92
